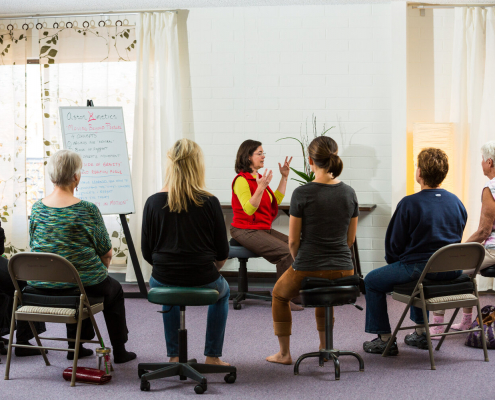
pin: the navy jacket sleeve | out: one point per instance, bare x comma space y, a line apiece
397, 234
147, 235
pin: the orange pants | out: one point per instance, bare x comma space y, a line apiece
286, 288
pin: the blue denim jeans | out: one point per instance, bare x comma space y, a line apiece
215, 325
381, 281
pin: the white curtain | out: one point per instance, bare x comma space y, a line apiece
78, 64
13, 127
472, 107
157, 117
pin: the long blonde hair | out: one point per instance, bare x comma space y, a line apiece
185, 175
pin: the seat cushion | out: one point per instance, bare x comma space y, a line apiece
488, 272
183, 296
63, 298
236, 250
311, 283
432, 288
329, 296
54, 314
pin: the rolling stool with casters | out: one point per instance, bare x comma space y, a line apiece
242, 293
319, 292
182, 297
488, 272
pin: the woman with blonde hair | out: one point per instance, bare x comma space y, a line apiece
185, 240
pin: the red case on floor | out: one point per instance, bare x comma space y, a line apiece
88, 375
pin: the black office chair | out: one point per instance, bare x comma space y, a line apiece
243, 293
183, 296
319, 292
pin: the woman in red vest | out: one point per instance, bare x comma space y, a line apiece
255, 206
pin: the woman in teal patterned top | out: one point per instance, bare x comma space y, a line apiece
73, 228
82, 239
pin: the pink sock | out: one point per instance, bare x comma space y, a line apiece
465, 323
435, 330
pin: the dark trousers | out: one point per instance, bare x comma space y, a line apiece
7, 289
382, 280
113, 311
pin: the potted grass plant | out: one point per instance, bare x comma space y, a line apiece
305, 139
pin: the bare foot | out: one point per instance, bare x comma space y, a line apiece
215, 361
278, 358
295, 307
174, 359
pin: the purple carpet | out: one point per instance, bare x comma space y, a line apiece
461, 371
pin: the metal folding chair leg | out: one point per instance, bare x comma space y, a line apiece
77, 344
427, 328
396, 330
38, 342
480, 319
447, 329
11, 338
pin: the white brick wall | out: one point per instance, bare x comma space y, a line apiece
261, 72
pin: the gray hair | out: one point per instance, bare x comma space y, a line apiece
62, 167
488, 150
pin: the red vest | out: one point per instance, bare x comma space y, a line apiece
264, 215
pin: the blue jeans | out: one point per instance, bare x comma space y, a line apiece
381, 281
216, 321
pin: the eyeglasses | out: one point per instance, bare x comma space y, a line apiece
260, 154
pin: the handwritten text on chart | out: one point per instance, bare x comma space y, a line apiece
88, 116
105, 127
98, 136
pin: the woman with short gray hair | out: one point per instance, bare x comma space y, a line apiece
73, 228
485, 235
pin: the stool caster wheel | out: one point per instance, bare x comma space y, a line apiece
200, 389
141, 372
145, 386
237, 306
230, 378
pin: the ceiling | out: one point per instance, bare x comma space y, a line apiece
30, 7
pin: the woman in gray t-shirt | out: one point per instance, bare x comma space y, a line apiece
322, 228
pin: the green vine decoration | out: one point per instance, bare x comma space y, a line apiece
5, 45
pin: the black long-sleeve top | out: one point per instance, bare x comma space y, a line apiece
2, 240
182, 247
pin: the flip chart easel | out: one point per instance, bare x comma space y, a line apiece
99, 138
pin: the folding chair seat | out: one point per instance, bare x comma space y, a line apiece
431, 295
67, 306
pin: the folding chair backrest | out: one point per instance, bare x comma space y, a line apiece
43, 267
459, 256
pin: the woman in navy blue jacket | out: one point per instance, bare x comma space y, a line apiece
422, 223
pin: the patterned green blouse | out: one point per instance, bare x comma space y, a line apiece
77, 233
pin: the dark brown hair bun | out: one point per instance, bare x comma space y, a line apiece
323, 151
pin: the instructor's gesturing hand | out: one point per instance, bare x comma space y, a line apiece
264, 181
285, 169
